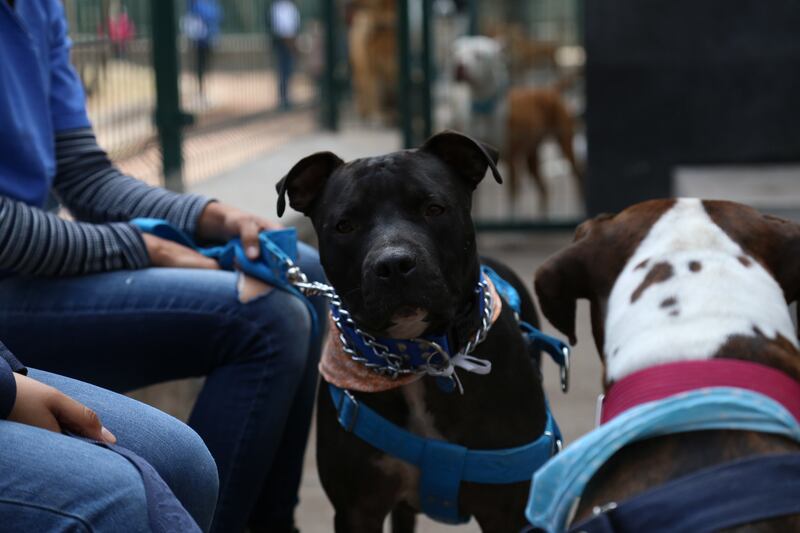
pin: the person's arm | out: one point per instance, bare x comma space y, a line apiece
94, 190
37, 243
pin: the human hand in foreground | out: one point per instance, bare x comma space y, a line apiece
45, 407
222, 222
164, 253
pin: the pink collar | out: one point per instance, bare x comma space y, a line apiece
659, 382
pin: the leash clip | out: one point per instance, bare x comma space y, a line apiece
565, 370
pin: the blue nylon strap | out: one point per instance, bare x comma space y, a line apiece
441, 471
552, 346
444, 465
275, 246
723, 496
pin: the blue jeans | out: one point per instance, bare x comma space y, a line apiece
51, 482
127, 329
285, 63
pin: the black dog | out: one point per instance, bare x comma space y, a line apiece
398, 244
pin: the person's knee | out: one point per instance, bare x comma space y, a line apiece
283, 324
185, 464
112, 500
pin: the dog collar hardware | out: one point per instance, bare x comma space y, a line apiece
661, 381
716, 498
443, 466
429, 355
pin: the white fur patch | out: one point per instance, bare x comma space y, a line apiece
724, 297
408, 327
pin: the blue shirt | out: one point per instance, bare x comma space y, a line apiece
40, 94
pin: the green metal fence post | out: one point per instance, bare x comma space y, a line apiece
168, 117
330, 96
404, 68
474, 14
427, 68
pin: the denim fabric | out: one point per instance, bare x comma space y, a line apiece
51, 482
126, 329
285, 60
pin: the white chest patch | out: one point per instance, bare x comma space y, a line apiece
687, 288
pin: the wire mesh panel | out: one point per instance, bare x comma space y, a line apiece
228, 80
111, 53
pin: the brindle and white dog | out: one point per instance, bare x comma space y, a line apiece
675, 280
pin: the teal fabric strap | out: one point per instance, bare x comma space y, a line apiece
276, 247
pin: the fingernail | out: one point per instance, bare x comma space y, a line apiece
252, 252
108, 436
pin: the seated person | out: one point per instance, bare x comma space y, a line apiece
54, 482
95, 300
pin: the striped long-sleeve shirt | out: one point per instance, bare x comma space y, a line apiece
102, 199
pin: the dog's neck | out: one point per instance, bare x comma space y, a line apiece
687, 292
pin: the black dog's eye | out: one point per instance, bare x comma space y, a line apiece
434, 210
344, 226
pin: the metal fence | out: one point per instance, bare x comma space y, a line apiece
231, 118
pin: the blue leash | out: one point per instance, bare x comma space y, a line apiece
278, 250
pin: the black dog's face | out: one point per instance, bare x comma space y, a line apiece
395, 232
396, 239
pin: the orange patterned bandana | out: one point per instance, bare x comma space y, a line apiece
337, 368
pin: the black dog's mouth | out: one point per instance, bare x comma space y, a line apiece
404, 318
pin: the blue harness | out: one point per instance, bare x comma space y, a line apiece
443, 465
723, 496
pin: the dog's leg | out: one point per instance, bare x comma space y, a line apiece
404, 519
533, 167
564, 135
357, 521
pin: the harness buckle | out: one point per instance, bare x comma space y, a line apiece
557, 444
565, 370
602, 509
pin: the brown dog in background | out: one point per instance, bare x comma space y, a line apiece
372, 40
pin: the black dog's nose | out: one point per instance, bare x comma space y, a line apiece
394, 265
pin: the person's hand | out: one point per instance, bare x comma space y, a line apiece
221, 222
43, 406
164, 253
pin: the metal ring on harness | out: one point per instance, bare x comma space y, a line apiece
565, 370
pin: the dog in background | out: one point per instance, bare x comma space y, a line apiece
372, 40
516, 119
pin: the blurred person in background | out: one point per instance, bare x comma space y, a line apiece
96, 300
121, 29
284, 24
200, 24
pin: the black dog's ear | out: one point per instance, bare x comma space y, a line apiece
306, 179
468, 157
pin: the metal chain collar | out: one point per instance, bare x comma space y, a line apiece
394, 365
